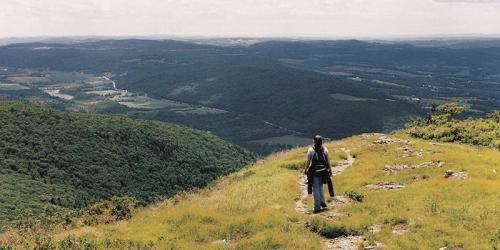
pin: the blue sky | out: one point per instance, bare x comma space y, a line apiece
252, 18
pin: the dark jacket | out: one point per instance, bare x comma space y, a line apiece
319, 167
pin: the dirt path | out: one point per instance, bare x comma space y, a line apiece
346, 242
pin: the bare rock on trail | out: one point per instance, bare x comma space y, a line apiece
400, 229
375, 228
462, 175
344, 243
351, 243
300, 205
383, 186
341, 200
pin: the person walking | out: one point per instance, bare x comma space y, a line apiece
318, 171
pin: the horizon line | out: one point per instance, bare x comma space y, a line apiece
290, 36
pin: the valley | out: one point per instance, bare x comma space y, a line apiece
246, 93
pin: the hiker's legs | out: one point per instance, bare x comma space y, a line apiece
318, 192
321, 195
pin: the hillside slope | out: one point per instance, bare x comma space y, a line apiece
73, 159
391, 191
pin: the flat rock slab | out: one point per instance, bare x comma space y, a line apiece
223, 241
383, 186
452, 248
429, 164
399, 167
408, 151
462, 175
386, 140
371, 134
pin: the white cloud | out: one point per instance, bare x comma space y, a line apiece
326, 18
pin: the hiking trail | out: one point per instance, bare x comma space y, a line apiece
344, 242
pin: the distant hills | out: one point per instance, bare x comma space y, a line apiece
70, 160
261, 90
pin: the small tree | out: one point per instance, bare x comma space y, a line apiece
495, 115
442, 113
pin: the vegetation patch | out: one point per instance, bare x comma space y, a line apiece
350, 98
439, 125
355, 196
329, 230
71, 160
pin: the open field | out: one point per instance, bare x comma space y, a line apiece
12, 86
28, 79
344, 97
291, 140
57, 93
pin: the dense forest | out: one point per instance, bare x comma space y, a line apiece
71, 160
442, 125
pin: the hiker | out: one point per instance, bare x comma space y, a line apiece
318, 171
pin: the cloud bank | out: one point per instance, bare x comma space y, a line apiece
319, 18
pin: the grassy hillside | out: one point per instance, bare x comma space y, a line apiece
403, 202
71, 160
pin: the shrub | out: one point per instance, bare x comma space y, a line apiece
355, 196
71, 243
43, 243
329, 230
439, 126
5, 246
105, 212
396, 221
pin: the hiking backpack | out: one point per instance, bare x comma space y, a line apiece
319, 165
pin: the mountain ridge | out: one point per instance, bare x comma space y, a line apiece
397, 193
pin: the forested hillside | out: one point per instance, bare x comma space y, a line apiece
70, 159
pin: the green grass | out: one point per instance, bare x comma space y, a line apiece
284, 140
344, 97
254, 208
